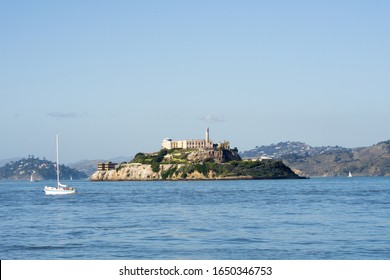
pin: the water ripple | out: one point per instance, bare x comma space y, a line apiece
325, 218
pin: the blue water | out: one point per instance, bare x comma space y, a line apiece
324, 218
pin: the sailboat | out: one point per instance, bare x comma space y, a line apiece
60, 189
349, 174
32, 177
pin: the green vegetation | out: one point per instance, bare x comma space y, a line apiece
254, 169
175, 156
149, 158
154, 159
169, 173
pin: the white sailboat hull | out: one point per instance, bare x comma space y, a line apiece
59, 191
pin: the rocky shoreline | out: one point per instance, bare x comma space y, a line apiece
186, 172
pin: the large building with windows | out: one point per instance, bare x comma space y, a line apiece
106, 166
204, 144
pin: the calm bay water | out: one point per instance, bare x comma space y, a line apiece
323, 218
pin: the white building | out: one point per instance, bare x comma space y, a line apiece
205, 144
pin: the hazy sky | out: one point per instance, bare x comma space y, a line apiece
116, 77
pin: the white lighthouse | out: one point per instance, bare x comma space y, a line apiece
207, 135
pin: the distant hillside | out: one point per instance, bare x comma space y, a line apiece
90, 166
86, 166
329, 161
282, 149
5, 161
367, 161
41, 169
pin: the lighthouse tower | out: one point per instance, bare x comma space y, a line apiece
207, 135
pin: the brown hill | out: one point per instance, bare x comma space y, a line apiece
367, 161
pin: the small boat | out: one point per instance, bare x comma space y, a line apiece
349, 174
60, 189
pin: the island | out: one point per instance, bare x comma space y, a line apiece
195, 159
36, 169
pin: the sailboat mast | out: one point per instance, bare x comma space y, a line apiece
58, 165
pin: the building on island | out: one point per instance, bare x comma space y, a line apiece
202, 144
106, 166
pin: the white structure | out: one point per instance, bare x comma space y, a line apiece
205, 144
60, 189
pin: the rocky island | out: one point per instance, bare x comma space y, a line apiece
198, 159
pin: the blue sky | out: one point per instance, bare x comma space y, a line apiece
116, 77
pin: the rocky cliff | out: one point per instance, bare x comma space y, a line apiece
130, 171
199, 171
